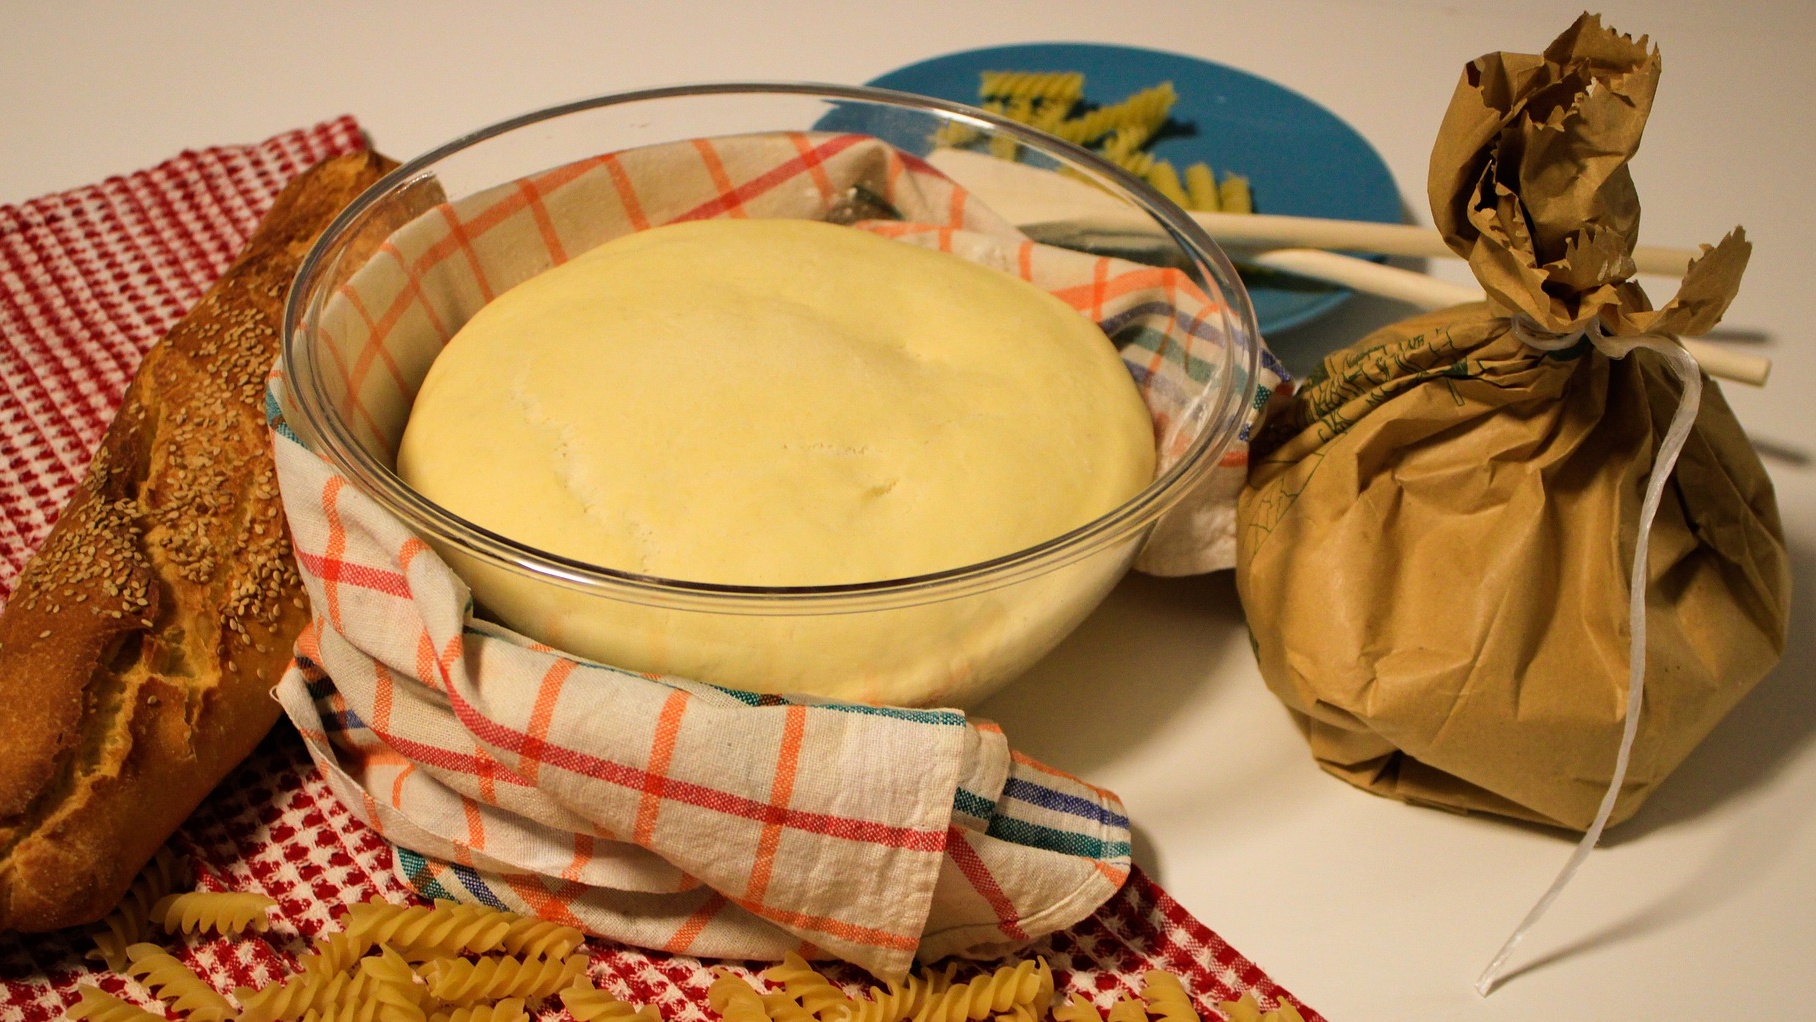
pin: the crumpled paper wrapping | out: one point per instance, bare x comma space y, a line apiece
1439, 525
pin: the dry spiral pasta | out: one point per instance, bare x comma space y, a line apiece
172, 981
588, 1003
1244, 1009
782, 1008
335, 952
220, 911
814, 992
297, 996
906, 999
1127, 1009
443, 929
736, 1000
1144, 111
340, 980
493, 978
355, 1010
1026, 984
508, 1010
1166, 997
392, 986
1077, 1008
130, 921
1047, 86
1120, 132
99, 1006
539, 938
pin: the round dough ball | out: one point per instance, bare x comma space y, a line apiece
777, 403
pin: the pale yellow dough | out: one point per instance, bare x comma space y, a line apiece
777, 403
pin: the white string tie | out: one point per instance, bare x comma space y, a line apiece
1687, 370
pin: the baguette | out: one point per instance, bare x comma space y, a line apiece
138, 653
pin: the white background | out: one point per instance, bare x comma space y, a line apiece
1702, 906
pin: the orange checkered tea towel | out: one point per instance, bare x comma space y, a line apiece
661, 811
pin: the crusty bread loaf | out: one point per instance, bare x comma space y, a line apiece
138, 653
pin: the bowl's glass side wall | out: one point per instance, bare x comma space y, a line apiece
944, 640
945, 652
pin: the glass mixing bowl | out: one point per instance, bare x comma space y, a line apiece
946, 638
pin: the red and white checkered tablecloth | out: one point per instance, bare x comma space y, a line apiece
88, 280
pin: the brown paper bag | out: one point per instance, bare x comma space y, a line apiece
1439, 526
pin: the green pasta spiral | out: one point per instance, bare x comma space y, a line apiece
1048, 86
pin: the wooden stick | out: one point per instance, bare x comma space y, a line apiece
1262, 230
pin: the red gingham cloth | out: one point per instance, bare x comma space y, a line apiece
88, 280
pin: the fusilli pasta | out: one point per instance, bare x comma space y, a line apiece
814, 992
1166, 997
1245, 1009
1027, 984
1143, 112
898, 1001
170, 980
1120, 132
298, 995
588, 1003
1126, 1009
392, 986
334, 953
222, 912
508, 1010
1077, 1008
342, 980
1201, 188
1047, 86
736, 1000
130, 921
352, 1010
1234, 196
494, 978
445, 929
101, 1006
1166, 181
782, 1008
539, 938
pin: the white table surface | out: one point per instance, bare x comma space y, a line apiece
1702, 906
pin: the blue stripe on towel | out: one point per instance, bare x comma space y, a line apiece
1027, 791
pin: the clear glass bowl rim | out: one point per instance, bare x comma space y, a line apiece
424, 517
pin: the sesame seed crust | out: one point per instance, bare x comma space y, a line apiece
170, 562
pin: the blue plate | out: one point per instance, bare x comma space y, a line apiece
1300, 159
